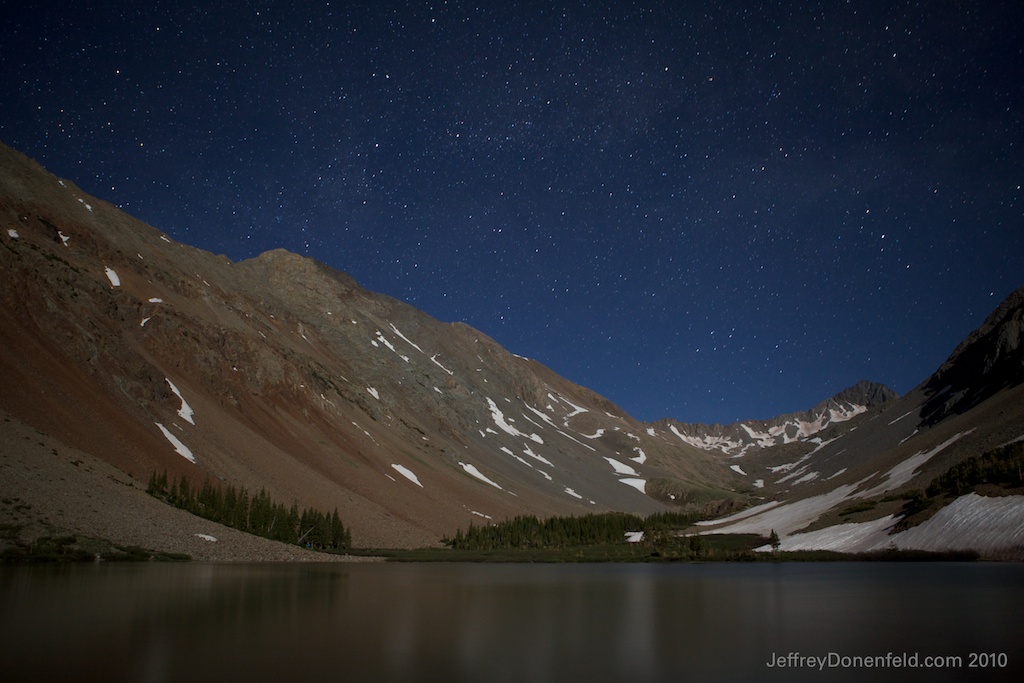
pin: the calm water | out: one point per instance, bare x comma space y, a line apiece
437, 622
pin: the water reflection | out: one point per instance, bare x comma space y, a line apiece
498, 622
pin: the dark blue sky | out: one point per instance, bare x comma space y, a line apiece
708, 211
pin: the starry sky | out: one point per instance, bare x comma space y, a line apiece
711, 211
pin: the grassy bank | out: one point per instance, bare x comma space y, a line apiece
57, 548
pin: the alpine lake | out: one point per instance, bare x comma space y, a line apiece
831, 621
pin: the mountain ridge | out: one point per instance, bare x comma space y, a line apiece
736, 438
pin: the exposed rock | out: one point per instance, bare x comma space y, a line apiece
989, 360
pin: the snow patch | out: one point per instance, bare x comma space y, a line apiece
641, 457
407, 473
115, 281
550, 423
404, 338
144, 321
576, 410
373, 392
762, 439
908, 438
185, 411
384, 340
508, 451
639, 484
742, 514
12, 233
358, 426
206, 537
634, 536
708, 442
434, 360
737, 469
901, 416
499, 420
474, 472
621, 468
1019, 438
181, 448
539, 458
155, 300
573, 493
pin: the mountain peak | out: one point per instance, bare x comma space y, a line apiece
865, 393
990, 359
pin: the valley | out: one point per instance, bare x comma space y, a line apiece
125, 353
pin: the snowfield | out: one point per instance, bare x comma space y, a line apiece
971, 522
787, 517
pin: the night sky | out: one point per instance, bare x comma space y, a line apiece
708, 211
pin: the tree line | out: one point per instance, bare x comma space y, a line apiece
256, 513
530, 532
1003, 466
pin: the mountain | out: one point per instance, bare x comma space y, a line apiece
738, 438
988, 361
281, 373
876, 486
125, 353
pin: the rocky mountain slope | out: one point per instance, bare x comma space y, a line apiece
280, 372
123, 348
857, 491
